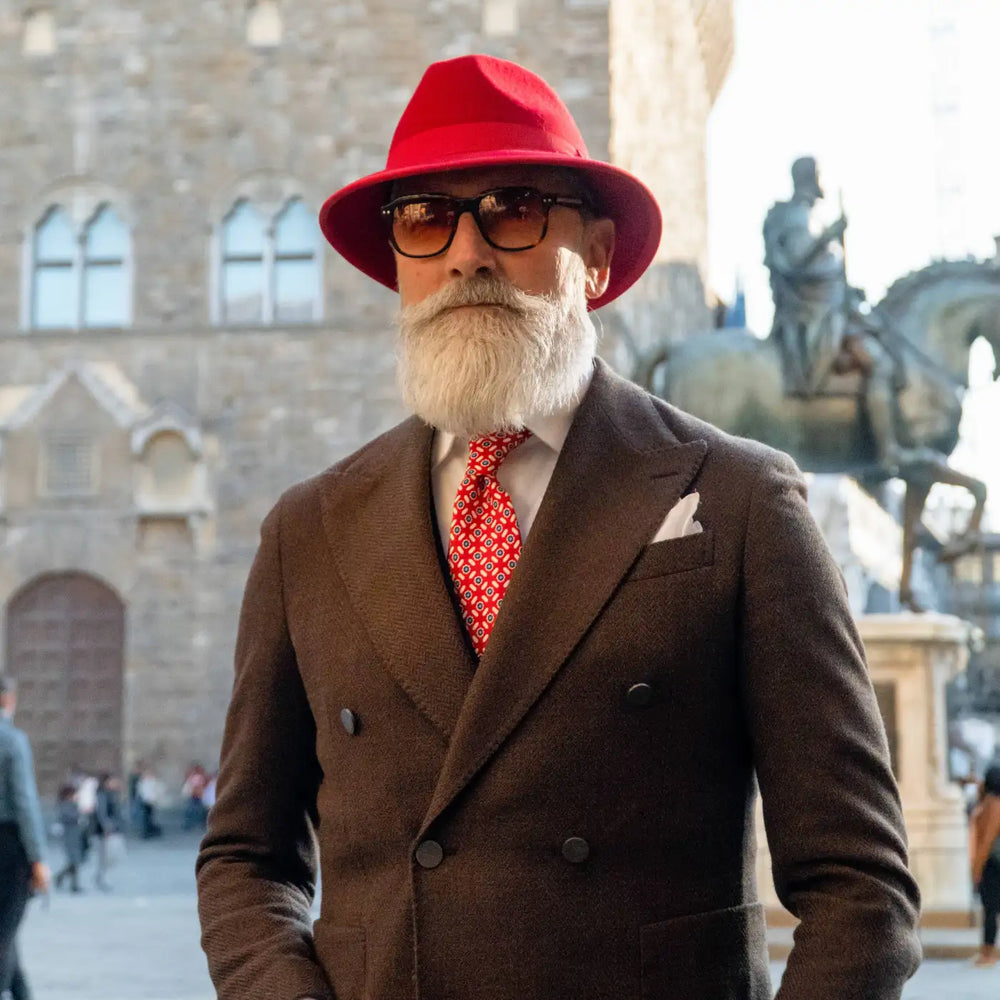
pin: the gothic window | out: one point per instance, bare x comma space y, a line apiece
270, 265
69, 466
80, 276
105, 284
295, 278
243, 250
56, 275
167, 474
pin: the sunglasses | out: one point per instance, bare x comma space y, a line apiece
510, 218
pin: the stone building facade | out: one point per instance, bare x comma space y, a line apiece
164, 376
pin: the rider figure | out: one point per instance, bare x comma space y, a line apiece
818, 324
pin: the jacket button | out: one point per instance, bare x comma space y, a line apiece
576, 850
429, 854
639, 696
349, 721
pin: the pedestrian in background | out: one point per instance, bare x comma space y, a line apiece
86, 802
108, 825
193, 790
22, 870
132, 789
150, 795
71, 834
985, 851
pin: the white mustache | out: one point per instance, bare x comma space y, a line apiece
483, 290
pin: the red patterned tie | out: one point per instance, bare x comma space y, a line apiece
485, 541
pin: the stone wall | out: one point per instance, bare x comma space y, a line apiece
166, 110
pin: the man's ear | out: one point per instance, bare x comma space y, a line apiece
598, 249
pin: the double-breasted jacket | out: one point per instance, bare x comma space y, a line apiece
570, 818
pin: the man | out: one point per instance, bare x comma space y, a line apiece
553, 798
22, 870
818, 324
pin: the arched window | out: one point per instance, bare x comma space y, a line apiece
80, 275
270, 268
105, 284
54, 295
167, 470
296, 284
243, 251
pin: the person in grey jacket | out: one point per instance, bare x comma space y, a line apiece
22, 870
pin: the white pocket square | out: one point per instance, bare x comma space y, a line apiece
679, 520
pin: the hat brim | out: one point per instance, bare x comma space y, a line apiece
351, 222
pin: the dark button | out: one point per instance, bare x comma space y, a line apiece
639, 696
576, 850
349, 721
429, 854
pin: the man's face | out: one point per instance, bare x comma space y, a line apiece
490, 338
534, 271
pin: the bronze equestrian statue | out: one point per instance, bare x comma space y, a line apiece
874, 393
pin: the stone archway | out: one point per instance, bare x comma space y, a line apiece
65, 646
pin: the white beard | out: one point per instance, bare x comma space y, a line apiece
488, 370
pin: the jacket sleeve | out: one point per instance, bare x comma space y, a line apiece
26, 806
831, 807
256, 868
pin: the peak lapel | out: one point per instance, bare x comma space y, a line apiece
378, 518
619, 473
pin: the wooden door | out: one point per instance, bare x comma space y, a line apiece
65, 647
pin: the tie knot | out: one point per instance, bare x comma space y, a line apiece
487, 452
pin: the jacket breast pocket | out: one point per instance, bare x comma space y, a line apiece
341, 952
675, 555
718, 955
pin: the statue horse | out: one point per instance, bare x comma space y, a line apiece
734, 379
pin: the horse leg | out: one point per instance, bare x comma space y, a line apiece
969, 538
917, 488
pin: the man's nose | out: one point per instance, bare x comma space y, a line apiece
469, 253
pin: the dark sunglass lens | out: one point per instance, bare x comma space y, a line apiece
422, 228
513, 218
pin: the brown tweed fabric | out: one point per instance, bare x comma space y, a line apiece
745, 641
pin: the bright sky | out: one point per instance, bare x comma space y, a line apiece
897, 100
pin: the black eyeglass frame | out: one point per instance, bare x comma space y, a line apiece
463, 205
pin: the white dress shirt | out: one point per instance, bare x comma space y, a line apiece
524, 473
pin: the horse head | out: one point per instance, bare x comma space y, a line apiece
943, 308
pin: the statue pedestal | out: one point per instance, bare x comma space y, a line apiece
911, 658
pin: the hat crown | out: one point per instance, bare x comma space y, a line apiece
486, 113
474, 103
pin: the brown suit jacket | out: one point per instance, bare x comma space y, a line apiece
526, 829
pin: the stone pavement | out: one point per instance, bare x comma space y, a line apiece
137, 942
140, 941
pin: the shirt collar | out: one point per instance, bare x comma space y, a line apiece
551, 430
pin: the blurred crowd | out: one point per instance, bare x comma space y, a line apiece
94, 812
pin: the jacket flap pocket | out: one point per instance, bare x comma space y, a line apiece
674, 556
341, 952
718, 955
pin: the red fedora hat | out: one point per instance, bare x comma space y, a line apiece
479, 111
